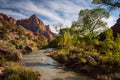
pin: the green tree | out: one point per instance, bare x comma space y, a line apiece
111, 4
108, 43
61, 33
90, 21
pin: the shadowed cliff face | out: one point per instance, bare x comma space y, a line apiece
115, 28
37, 26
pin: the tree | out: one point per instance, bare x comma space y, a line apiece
90, 21
110, 3
60, 25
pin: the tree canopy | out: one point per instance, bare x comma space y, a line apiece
89, 21
110, 3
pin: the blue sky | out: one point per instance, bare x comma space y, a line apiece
50, 11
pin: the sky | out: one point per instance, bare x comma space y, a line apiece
51, 11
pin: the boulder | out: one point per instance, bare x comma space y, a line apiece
27, 49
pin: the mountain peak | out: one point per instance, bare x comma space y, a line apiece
37, 26
33, 16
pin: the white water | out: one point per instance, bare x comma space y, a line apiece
49, 68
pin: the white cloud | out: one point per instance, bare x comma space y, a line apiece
63, 11
31, 7
110, 21
12, 13
67, 8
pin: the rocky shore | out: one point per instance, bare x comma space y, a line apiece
88, 65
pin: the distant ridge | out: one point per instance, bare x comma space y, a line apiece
32, 25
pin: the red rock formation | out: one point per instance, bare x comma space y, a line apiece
9, 19
37, 26
116, 28
32, 25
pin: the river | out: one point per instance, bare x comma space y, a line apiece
49, 68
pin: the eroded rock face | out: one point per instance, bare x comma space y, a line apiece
9, 19
116, 28
37, 26
32, 23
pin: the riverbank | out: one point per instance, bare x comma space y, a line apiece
49, 68
89, 65
14, 71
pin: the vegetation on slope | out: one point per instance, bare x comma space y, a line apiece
81, 48
14, 42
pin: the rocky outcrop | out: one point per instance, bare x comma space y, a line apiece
32, 25
9, 19
37, 26
27, 49
116, 28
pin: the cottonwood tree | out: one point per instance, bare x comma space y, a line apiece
90, 21
58, 28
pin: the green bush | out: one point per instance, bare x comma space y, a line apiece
27, 75
83, 60
16, 72
13, 77
20, 75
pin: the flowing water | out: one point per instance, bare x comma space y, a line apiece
49, 68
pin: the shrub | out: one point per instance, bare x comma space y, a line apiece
16, 72
83, 60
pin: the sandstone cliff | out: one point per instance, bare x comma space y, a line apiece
116, 28
37, 26
9, 19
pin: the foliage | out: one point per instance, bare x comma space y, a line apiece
82, 41
16, 72
111, 47
89, 21
111, 3
83, 60
34, 44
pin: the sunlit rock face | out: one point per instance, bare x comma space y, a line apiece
32, 25
37, 26
9, 19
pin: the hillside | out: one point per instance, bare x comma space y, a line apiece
17, 39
